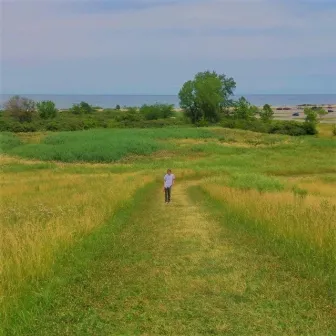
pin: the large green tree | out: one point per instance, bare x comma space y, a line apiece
204, 97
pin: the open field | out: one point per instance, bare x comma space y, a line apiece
247, 246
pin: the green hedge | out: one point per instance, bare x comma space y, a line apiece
293, 128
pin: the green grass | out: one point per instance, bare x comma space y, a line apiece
255, 181
34, 313
8, 141
296, 252
99, 145
147, 273
200, 267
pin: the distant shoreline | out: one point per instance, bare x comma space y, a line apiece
110, 101
279, 108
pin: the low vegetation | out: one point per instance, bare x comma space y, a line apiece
206, 100
59, 191
88, 247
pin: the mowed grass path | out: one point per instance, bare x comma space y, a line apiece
177, 270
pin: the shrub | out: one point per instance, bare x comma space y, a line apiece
312, 114
310, 128
20, 108
46, 109
293, 128
82, 108
266, 114
53, 126
157, 111
244, 110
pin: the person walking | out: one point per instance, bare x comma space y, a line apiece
168, 179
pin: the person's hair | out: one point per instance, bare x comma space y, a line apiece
168, 170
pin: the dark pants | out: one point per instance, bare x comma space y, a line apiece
167, 194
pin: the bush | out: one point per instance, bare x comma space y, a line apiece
266, 114
157, 111
18, 127
82, 108
293, 128
46, 109
310, 128
244, 110
20, 108
53, 126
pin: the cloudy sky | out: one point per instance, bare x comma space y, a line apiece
153, 46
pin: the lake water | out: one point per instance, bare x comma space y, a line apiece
106, 101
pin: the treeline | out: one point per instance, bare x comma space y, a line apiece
24, 115
205, 100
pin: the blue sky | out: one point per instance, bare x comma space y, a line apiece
152, 47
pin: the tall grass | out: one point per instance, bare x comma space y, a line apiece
46, 207
99, 145
8, 141
43, 214
303, 225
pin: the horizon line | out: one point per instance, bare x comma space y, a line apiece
157, 94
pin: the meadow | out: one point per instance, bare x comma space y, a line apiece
247, 247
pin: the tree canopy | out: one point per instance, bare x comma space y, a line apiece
20, 108
204, 97
47, 109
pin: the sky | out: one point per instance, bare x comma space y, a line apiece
153, 47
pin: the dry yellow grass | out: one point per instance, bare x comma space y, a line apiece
34, 138
44, 211
326, 130
314, 185
311, 219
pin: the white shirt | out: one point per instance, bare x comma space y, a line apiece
168, 180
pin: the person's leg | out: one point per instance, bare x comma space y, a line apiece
169, 193
166, 195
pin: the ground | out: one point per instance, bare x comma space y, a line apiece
246, 247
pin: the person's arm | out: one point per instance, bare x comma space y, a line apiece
164, 180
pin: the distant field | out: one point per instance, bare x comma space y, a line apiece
247, 247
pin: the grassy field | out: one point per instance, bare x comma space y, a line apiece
247, 247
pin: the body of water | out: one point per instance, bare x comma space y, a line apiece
110, 101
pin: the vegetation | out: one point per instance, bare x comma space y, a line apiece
243, 110
82, 108
204, 97
247, 246
313, 114
293, 128
88, 247
20, 108
157, 111
266, 114
46, 109
205, 101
